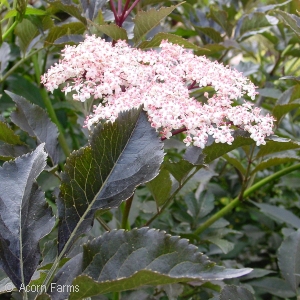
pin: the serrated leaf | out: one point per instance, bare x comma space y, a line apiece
274, 145
35, 121
113, 31
25, 216
254, 22
122, 260
67, 29
26, 32
280, 110
70, 8
274, 286
257, 273
8, 152
179, 170
290, 20
4, 57
8, 136
198, 156
120, 156
230, 292
92, 7
146, 20
279, 214
172, 38
274, 161
211, 33
160, 187
289, 259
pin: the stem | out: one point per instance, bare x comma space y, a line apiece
124, 11
175, 132
113, 8
125, 224
9, 30
170, 198
103, 224
130, 9
51, 112
20, 62
246, 193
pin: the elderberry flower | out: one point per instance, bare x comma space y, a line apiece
124, 77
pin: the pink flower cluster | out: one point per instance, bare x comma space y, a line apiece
123, 77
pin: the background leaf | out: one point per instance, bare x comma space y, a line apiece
146, 20
92, 7
25, 216
129, 259
230, 292
8, 136
113, 31
34, 120
289, 259
120, 156
160, 187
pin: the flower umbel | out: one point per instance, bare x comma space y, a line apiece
124, 78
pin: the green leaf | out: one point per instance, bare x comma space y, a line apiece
160, 187
235, 162
179, 170
122, 260
29, 11
275, 144
201, 207
120, 156
274, 161
172, 38
230, 292
254, 22
146, 20
8, 136
289, 260
221, 17
211, 33
70, 9
279, 214
274, 286
224, 245
290, 20
26, 32
35, 121
25, 216
66, 29
198, 156
113, 31
8, 152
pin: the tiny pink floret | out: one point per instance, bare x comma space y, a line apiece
124, 77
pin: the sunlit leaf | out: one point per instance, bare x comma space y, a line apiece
122, 260
146, 20
113, 31
4, 57
172, 38
160, 187
290, 20
8, 136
